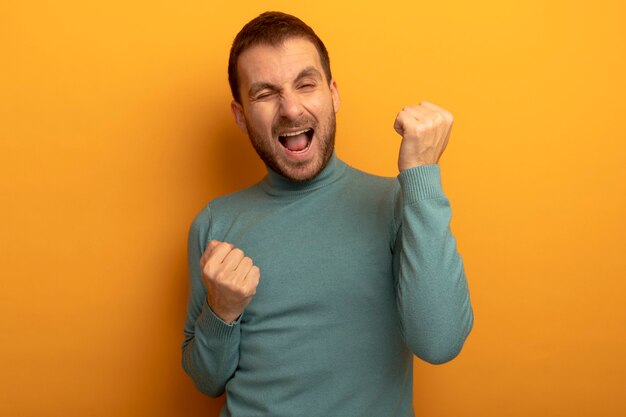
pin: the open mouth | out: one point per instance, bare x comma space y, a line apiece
298, 141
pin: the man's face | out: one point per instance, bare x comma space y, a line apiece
287, 107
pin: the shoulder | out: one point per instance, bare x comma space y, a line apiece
377, 195
237, 200
373, 185
227, 205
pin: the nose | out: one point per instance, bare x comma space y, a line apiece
290, 106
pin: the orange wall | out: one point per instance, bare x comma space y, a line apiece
115, 130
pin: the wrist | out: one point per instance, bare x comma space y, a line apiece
405, 166
405, 163
227, 316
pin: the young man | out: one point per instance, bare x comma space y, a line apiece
311, 290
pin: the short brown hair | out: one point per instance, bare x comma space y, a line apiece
272, 28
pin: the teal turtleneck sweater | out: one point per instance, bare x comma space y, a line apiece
357, 273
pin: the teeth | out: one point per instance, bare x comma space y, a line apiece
295, 133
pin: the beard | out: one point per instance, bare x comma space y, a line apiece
296, 170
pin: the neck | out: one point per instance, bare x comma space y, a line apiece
278, 184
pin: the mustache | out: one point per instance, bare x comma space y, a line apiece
285, 124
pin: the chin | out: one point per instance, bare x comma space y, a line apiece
304, 172
308, 170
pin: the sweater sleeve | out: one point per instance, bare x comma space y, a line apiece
431, 288
211, 347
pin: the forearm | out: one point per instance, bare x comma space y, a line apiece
432, 292
211, 352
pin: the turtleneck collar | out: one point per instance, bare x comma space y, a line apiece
276, 184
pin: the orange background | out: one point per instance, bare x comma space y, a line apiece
115, 131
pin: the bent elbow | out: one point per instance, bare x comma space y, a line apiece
209, 390
440, 356
443, 350
203, 384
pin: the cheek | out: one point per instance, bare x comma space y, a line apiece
261, 119
322, 105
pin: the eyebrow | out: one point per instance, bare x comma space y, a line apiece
306, 72
256, 87
309, 72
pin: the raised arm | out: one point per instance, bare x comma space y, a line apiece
431, 288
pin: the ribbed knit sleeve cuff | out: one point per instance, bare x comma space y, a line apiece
214, 326
420, 183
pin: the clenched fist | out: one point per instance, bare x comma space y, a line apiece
425, 130
230, 278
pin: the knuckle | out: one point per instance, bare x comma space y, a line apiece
232, 288
220, 276
206, 269
224, 246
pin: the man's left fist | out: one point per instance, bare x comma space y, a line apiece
425, 130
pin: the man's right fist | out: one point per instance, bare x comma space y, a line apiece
230, 278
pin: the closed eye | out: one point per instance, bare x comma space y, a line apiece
264, 95
307, 86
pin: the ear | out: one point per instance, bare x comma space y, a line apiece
240, 118
334, 91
